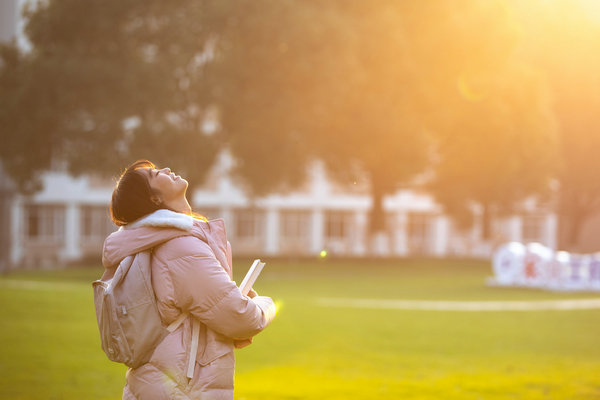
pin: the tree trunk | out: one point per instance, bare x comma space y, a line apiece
574, 225
377, 238
377, 215
574, 209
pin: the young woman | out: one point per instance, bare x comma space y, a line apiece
192, 279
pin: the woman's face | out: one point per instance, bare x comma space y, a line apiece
166, 184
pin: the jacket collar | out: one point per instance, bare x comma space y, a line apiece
159, 227
163, 218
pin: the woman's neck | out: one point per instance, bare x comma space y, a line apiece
180, 205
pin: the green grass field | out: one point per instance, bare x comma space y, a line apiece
50, 346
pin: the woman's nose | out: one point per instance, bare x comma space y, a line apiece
166, 170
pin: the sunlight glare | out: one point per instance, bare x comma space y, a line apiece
469, 89
591, 9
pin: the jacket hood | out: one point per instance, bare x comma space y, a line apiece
155, 229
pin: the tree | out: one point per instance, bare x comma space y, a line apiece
105, 83
560, 38
361, 85
500, 150
365, 86
579, 194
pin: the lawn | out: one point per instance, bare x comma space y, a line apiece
50, 345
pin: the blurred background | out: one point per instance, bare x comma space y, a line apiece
353, 135
388, 128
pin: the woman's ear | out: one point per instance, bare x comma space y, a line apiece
156, 199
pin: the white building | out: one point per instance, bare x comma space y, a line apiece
69, 220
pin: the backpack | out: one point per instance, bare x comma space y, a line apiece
127, 314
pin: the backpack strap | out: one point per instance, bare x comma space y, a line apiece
178, 321
193, 347
195, 337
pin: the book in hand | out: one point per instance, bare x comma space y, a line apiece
251, 276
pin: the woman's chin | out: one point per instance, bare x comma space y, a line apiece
183, 184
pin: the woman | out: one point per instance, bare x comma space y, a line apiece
192, 279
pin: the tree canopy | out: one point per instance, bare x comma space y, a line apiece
561, 39
388, 90
500, 150
107, 82
364, 86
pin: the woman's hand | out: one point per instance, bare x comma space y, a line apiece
241, 343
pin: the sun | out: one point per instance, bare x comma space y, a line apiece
591, 8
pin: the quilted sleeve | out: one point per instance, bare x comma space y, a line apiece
202, 287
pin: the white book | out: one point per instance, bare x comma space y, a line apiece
251, 276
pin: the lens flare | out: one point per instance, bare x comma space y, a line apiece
469, 89
278, 306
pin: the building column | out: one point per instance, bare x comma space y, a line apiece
272, 231
317, 234
551, 231
360, 233
17, 231
72, 249
6, 200
440, 233
515, 229
401, 234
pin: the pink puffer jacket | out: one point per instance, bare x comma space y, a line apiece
191, 272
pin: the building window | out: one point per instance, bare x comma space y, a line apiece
249, 224
337, 224
96, 224
533, 228
295, 224
44, 223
